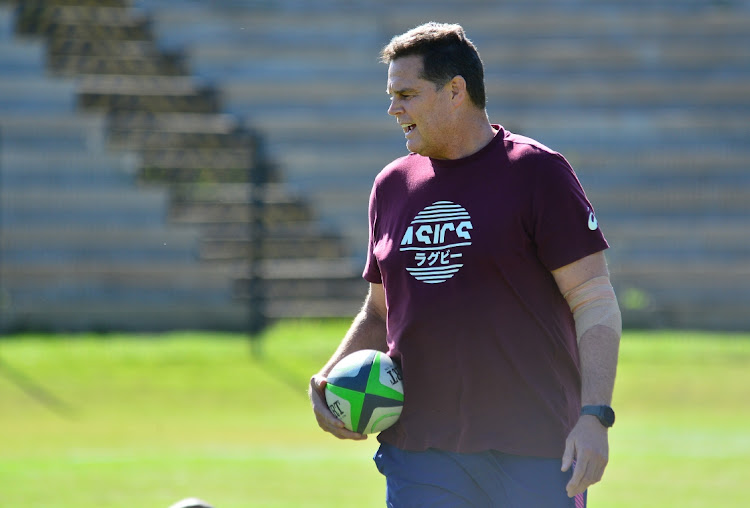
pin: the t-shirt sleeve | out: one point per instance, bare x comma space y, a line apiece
372, 269
564, 225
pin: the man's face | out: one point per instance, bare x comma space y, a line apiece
421, 111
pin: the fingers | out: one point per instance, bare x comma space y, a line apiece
567, 459
327, 420
574, 485
587, 451
588, 470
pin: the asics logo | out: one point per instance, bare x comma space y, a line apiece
593, 223
437, 237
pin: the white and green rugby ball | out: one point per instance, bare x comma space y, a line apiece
365, 391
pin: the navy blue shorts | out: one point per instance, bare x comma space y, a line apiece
491, 479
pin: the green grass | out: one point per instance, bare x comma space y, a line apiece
160, 418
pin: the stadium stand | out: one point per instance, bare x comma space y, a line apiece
125, 201
649, 100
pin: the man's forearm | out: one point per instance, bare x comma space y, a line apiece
598, 351
367, 331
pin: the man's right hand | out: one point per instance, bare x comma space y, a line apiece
326, 420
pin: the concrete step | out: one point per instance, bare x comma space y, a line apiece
137, 66
73, 12
103, 48
41, 245
604, 6
354, 161
22, 57
362, 162
186, 26
693, 201
116, 280
223, 210
712, 283
310, 289
219, 216
52, 4
146, 93
54, 132
481, 20
547, 54
522, 59
157, 295
59, 170
83, 22
148, 85
161, 296
660, 149
196, 157
177, 130
617, 23
323, 54
99, 207
314, 308
346, 211
662, 169
53, 178
216, 123
637, 91
313, 245
6, 22
613, 168
602, 92
156, 317
172, 140
104, 316
606, 125
33, 96
656, 54
722, 239
624, 130
691, 307
314, 126
298, 62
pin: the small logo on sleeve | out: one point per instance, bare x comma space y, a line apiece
593, 223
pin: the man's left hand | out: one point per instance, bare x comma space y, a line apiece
587, 445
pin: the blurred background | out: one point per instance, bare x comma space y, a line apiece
204, 165
196, 164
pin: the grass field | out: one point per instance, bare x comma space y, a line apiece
158, 418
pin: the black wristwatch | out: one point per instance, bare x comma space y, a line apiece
605, 414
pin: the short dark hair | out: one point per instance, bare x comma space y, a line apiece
446, 53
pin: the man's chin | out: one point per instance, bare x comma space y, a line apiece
413, 147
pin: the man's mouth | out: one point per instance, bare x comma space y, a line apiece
408, 127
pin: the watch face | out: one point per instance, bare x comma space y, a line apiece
605, 414
609, 415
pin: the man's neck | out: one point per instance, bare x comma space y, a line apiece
477, 135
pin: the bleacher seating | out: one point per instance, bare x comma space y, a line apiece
125, 188
648, 99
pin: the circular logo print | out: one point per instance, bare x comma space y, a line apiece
437, 237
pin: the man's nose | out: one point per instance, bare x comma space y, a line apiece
394, 108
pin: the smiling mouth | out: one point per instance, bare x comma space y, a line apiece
408, 127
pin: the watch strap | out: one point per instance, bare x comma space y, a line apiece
605, 414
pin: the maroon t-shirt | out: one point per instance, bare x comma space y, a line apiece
487, 344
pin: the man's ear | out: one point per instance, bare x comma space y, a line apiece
458, 90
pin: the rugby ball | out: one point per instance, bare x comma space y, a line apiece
365, 391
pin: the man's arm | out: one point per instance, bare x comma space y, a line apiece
585, 284
367, 331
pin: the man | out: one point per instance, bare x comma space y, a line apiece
489, 285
